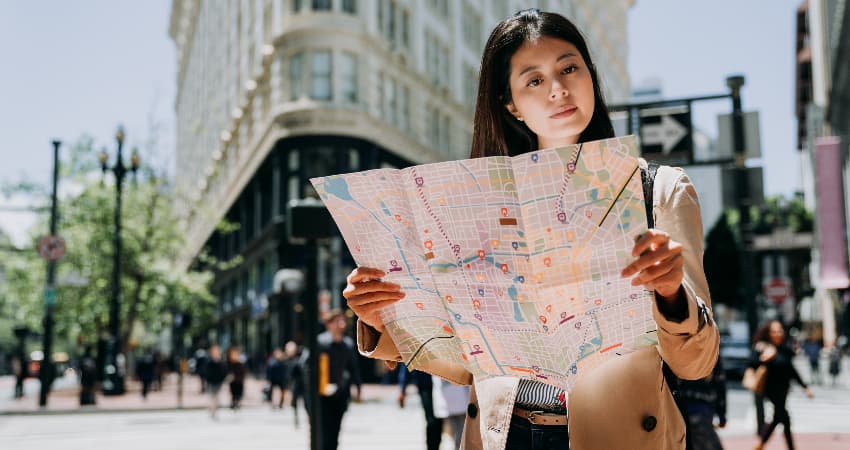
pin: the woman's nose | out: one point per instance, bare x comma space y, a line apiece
558, 91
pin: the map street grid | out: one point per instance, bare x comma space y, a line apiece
511, 265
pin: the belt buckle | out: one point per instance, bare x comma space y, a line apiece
544, 418
532, 415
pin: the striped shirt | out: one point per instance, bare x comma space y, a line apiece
536, 396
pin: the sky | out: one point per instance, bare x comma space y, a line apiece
89, 65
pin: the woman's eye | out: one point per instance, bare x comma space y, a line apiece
570, 69
534, 82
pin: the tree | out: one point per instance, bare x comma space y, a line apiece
152, 288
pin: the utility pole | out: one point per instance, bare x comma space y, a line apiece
46, 371
742, 188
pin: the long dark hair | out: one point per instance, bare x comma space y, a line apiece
762, 334
495, 132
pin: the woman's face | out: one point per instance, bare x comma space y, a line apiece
551, 90
776, 333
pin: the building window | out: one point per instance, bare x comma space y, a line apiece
349, 6
405, 28
322, 5
296, 6
471, 28
390, 95
387, 20
348, 72
320, 75
440, 7
470, 86
296, 72
436, 60
404, 108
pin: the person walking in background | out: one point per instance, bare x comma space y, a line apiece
812, 347
834, 364
236, 369
450, 404
145, 370
338, 372
772, 351
19, 369
215, 372
296, 377
88, 377
277, 374
425, 386
704, 400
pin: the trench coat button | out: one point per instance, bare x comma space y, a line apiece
472, 410
649, 423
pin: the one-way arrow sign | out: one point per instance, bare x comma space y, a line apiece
668, 133
665, 134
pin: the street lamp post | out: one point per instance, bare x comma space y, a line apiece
113, 383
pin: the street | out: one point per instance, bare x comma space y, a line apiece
376, 423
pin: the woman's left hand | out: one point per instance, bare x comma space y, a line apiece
660, 266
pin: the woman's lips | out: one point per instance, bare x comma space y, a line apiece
566, 111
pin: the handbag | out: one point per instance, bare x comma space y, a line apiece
754, 379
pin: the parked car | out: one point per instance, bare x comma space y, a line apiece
735, 356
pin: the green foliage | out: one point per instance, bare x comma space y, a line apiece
151, 286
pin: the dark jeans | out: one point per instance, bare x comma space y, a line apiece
433, 425
780, 415
333, 408
524, 435
700, 432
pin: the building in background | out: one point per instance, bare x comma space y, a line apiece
823, 113
273, 92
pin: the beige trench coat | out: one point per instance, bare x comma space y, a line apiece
625, 403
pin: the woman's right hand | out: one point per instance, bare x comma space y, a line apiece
366, 295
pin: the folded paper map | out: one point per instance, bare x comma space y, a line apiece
511, 265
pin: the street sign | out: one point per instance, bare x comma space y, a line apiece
49, 296
777, 290
665, 134
51, 248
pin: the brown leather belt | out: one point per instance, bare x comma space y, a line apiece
540, 417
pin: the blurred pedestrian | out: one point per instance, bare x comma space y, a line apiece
236, 369
704, 400
338, 372
773, 352
425, 387
450, 405
20, 368
201, 359
215, 372
88, 377
277, 374
812, 347
834, 364
146, 371
296, 377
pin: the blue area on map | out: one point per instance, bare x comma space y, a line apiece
339, 187
385, 209
588, 348
512, 292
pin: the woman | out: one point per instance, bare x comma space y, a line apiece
237, 376
772, 351
539, 89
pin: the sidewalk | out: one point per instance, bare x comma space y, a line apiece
66, 399
807, 441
